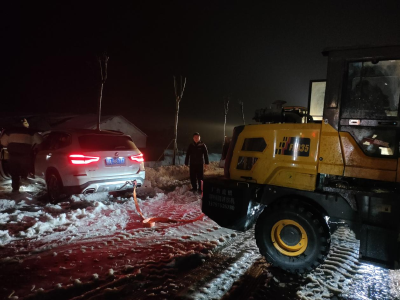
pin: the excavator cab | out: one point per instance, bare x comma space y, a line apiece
362, 105
370, 113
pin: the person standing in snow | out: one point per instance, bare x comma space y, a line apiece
197, 155
19, 142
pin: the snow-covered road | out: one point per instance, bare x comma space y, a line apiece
88, 239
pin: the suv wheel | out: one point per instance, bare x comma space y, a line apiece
54, 186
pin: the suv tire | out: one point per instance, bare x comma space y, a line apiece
54, 186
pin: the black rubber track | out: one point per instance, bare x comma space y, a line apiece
310, 219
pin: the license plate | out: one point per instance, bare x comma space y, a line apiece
111, 161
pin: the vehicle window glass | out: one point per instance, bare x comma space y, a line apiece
254, 144
106, 142
373, 90
59, 140
374, 141
246, 163
45, 145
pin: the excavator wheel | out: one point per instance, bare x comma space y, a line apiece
293, 236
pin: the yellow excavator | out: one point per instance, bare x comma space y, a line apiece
303, 170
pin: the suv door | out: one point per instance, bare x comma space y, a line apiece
47, 153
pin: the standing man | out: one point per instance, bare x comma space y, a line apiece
19, 142
197, 154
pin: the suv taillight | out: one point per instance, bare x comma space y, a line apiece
137, 158
79, 159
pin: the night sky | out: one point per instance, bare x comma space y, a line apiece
250, 51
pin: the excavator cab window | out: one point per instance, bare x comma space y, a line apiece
373, 90
254, 144
246, 163
370, 110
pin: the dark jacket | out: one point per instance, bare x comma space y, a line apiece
19, 141
197, 154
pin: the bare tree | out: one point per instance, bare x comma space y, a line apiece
226, 108
103, 60
241, 107
178, 97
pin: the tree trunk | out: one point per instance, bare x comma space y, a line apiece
241, 105
178, 96
226, 109
99, 107
103, 59
225, 128
176, 134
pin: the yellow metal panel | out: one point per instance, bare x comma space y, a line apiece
359, 165
294, 179
290, 158
330, 152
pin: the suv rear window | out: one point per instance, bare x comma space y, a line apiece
106, 143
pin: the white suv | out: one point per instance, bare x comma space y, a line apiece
87, 161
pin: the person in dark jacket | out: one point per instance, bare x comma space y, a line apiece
197, 156
19, 142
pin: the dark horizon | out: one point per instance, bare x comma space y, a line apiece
251, 52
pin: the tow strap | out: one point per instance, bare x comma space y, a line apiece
150, 222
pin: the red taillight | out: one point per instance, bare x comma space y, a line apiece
137, 158
79, 159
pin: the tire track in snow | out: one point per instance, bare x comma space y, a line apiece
341, 276
218, 274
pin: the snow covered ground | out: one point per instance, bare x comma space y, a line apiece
85, 238
27, 215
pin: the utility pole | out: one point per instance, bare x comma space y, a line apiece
178, 97
103, 60
226, 108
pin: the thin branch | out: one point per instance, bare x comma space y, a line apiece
183, 88
176, 94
